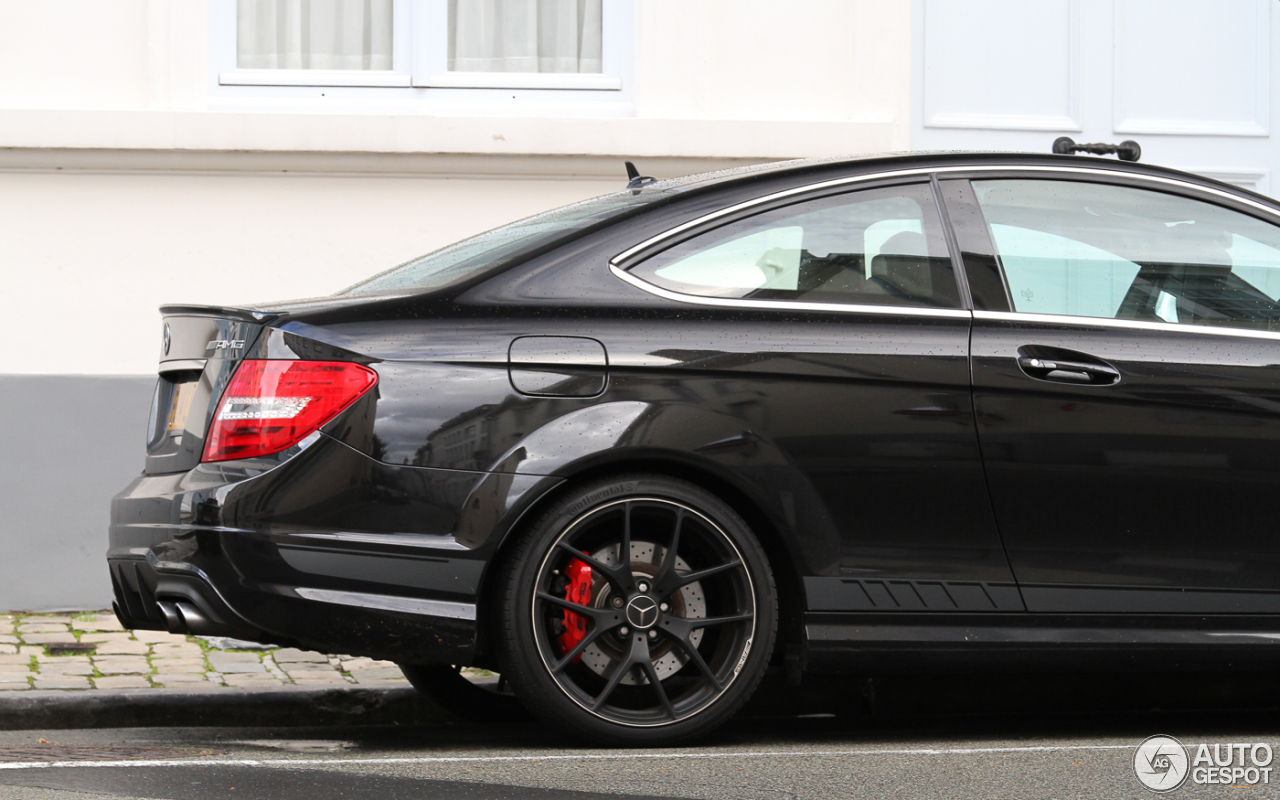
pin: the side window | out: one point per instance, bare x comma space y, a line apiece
1094, 250
875, 246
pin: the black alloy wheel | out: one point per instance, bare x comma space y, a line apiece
655, 647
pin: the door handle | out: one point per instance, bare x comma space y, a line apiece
1062, 371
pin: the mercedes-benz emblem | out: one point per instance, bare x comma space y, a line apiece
642, 612
167, 339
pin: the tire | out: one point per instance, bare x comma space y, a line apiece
448, 690
625, 661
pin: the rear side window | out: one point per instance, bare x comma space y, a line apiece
471, 257
870, 247
1094, 250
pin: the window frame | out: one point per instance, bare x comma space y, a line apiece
622, 264
420, 56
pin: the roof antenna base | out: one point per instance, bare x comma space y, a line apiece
634, 179
1128, 150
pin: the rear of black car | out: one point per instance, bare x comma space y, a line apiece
240, 461
154, 520
268, 509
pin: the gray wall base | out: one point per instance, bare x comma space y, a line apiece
67, 444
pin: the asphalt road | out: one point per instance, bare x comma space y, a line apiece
919, 738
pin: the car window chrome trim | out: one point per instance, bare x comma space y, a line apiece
786, 305
755, 201
924, 172
1131, 324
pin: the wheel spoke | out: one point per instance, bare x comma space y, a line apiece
624, 551
595, 564
708, 572
698, 660
669, 559
597, 630
594, 614
637, 654
619, 575
664, 582
681, 628
673, 582
708, 622
658, 688
618, 675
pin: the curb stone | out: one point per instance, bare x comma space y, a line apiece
277, 706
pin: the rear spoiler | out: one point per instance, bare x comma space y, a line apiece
226, 312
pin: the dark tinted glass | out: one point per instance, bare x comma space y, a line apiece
871, 247
470, 257
1094, 250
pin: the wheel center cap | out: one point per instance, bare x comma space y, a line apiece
642, 612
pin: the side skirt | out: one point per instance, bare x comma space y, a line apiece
851, 642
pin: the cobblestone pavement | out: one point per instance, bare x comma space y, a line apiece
92, 651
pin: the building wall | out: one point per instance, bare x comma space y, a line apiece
102, 250
68, 443
129, 177
1192, 81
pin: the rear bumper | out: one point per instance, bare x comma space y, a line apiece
179, 602
184, 600
330, 551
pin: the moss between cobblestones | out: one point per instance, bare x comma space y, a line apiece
204, 656
153, 676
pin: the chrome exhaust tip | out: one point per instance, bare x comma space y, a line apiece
173, 618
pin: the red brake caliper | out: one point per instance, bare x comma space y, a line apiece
578, 591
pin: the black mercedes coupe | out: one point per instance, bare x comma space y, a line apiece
816, 417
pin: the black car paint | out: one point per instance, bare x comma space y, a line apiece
850, 442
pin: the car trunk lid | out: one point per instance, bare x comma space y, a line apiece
200, 350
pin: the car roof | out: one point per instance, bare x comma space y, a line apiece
800, 172
924, 159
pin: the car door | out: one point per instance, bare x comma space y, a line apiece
835, 327
1126, 368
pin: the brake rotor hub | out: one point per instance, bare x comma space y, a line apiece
688, 602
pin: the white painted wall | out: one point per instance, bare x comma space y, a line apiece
711, 79
75, 54
1192, 81
89, 256
816, 60
129, 177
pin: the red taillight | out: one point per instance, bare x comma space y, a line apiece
272, 405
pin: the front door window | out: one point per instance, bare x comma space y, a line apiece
1097, 250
